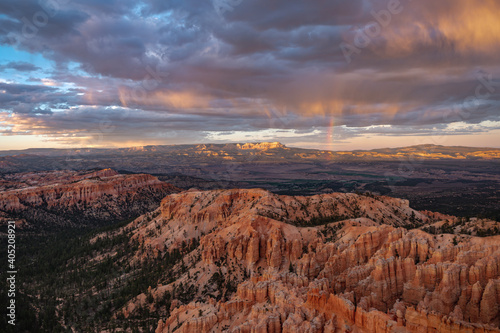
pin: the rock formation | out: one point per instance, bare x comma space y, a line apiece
66, 197
326, 263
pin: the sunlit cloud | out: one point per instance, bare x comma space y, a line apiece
176, 72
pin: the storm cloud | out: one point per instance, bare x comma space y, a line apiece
194, 71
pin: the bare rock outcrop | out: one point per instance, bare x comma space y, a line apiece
63, 197
297, 271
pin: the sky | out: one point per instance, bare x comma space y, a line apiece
328, 74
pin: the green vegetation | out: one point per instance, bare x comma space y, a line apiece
222, 283
330, 232
461, 228
74, 279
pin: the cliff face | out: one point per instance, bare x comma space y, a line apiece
261, 145
63, 197
326, 263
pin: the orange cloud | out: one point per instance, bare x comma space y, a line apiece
472, 25
464, 26
169, 99
181, 100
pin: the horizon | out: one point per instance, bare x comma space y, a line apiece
331, 76
248, 142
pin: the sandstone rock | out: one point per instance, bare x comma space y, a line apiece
352, 275
67, 196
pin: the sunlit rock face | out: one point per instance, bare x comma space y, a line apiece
261, 145
325, 263
69, 197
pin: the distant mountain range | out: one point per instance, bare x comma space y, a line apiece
179, 158
234, 151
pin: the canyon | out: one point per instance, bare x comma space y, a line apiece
370, 270
245, 260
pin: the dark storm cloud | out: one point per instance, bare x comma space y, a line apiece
20, 66
36, 99
20, 89
88, 125
259, 64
